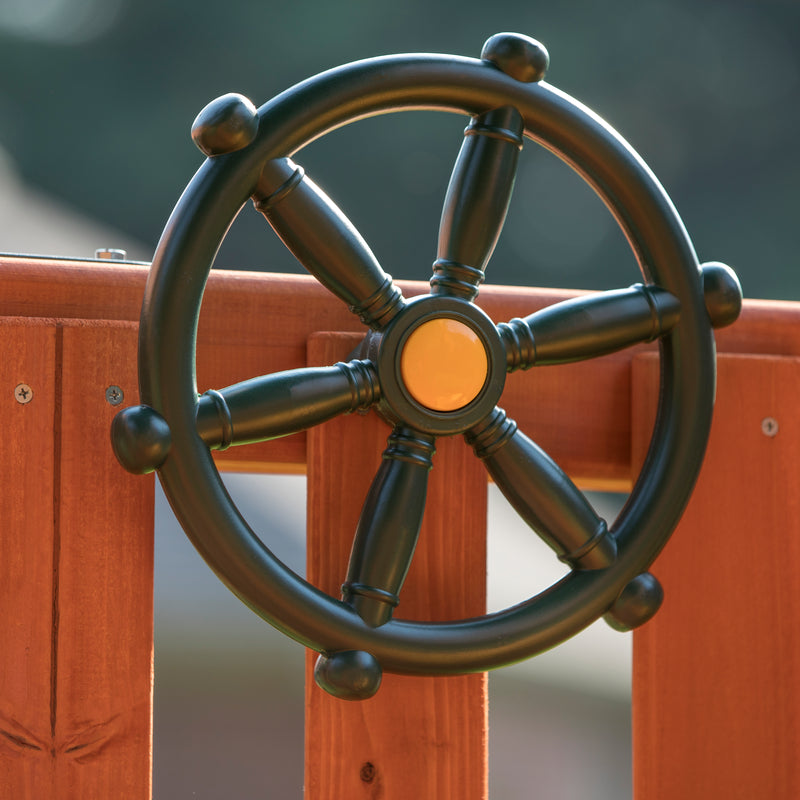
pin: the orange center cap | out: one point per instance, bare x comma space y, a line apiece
443, 364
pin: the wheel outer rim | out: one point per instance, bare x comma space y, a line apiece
167, 378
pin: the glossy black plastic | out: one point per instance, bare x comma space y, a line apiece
324, 241
389, 526
477, 201
397, 404
590, 326
283, 403
669, 268
542, 494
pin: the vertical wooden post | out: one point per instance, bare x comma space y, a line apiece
716, 696
26, 558
77, 572
105, 588
418, 737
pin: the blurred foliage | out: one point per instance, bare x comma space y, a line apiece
97, 97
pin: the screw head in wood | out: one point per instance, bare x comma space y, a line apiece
114, 395
769, 426
23, 393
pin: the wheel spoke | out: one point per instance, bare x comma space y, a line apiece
542, 493
284, 402
325, 242
589, 326
389, 527
477, 201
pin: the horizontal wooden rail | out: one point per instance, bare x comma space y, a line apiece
257, 323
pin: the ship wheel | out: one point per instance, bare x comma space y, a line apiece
432, 366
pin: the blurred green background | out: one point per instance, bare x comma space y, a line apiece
97, 97
96, 102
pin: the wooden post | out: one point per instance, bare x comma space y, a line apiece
76, 571
418, 737
716, 692
27, 558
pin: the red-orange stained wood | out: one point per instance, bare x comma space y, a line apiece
418, 737
105, 585
76, 571
716, 691
253, 324
27, 544
716, 703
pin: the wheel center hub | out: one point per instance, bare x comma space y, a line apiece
443, 364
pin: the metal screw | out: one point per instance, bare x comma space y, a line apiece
114, 395
110, 253
769, 426
23, 393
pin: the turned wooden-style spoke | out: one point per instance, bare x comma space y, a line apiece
589, 326
477, 201
325, 242
389, 527
284, 402
542, 493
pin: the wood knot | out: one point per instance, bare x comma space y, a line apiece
368, 771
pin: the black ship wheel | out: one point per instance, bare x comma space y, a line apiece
249, 156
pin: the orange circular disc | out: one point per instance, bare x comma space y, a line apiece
443, 364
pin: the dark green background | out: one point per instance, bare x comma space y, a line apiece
707, 92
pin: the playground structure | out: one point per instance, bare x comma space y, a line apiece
79, 721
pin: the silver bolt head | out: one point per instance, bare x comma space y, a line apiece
110, 253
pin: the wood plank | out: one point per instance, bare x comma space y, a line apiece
716, 696
257, 323
27, 548
62, 288
383, 747
103, 725
75, 571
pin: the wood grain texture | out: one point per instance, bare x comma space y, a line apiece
27, 542
255, 323
716, 690
715, 678
418, 737
105, 591
238, 338
76, 572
